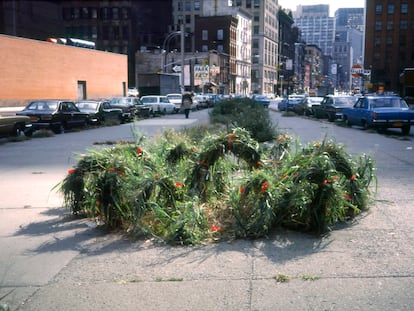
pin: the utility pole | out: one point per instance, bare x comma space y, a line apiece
182, 58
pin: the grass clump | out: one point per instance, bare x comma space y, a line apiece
195, 186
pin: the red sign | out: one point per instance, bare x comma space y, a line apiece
356, 70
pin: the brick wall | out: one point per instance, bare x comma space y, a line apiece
31, 69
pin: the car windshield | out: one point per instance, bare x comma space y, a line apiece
87, 105
164, 100
125, 101
344, 101
174, 97
388, 103
42, 105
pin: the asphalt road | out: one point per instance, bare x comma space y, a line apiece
52, 261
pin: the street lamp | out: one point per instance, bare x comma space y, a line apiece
166, 43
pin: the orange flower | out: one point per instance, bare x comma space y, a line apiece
139, 150
156, 176
71, 171
325, 182
259, 163
353, 177
241, 190
347, 196
178, 185
111, 169
215, 229
265, 186
335, 178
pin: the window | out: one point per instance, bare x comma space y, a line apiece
197, 5
188, 6
390, 25
378, 9
404, 8
188, 19
204, 35
105, 13
115, 13
125, 13
220, 48
204, 48
389, 40
94, 13
377, 42
256, 3
256, 30
378, 25
179, 6
248, 4
391, 8
219, 34
403, 24
85, 13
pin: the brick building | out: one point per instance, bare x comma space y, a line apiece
32, 69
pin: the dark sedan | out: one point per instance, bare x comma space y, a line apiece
131, 107
99, 111
56, 115
332, 105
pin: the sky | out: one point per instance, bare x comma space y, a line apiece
333, 4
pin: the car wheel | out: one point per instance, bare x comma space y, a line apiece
364, 125
59, 129
347, 122
406, 130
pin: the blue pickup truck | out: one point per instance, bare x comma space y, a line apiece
380, 112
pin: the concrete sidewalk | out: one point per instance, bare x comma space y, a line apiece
51, 260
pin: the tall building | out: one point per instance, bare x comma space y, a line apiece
264, 55
348, 46
316, 27
118, 26
31, 19
389, 41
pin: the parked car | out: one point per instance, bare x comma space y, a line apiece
176, 99
132, 91
160, 104
262, 100
99, 111
131, 107
57, 115
201, 100
15, 126
380, 112
332, 105
289, 102
212, 99
305, 105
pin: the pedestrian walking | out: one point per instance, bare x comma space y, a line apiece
186, 103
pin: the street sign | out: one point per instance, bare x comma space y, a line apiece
357, 70
176, 68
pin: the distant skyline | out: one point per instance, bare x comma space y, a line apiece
333, 4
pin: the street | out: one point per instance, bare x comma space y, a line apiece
52, 261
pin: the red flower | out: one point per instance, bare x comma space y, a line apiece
139, 151
111, 169
178, 185
215, 229
325, 182
265, 186
241, 190
353, 177
71, 171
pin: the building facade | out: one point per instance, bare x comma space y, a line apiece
316, 27
389, 41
